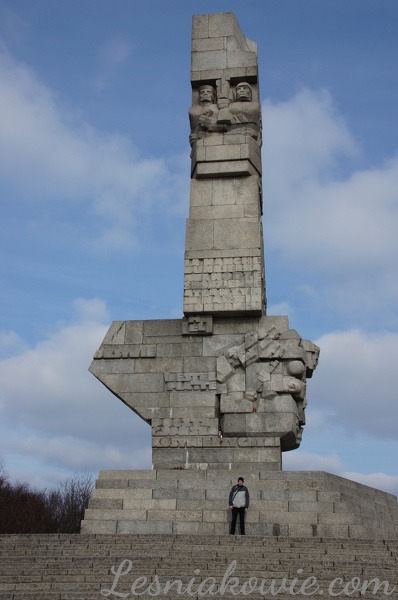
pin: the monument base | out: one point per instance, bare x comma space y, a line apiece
213, 452
225, 392
195, 502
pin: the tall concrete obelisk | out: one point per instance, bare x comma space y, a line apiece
224, 258
224, 386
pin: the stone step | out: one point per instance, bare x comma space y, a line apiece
71, 567
194, 502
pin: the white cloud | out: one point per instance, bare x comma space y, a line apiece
306, 461
113, 55
91, 310
68, 165
380, 481
10, 343
329, 219
55, 412
355, 381
282, 308
303, 136
115, 52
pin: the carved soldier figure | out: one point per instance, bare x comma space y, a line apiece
203, 116
245, 114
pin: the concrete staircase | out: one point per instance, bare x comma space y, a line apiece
287, 503
61, 567
300, 525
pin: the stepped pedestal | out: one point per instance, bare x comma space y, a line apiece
295, 503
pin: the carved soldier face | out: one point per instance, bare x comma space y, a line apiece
243, 92
206, 94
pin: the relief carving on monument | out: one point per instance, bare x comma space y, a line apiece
265, 373
203, 116
236, 114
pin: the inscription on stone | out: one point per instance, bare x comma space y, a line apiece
126, 351
184, 427
181, 382
210, 442
222, 284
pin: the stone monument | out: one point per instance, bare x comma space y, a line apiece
224, 387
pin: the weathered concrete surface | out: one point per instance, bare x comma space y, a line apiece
63, 567
193, 378
295, 504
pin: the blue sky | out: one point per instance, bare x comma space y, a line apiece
94, 188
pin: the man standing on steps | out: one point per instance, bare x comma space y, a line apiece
239, 503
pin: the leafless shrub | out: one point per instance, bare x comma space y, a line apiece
70, 500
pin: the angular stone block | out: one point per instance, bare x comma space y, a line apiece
202, 504
212, 59
117, 333
235, 168
191, 399
140, 382
224, 25
199, 235
117, 366
112, 514
134, 332
193, 528
141, 400
215, 516
200, 26
203, 45
332, 531
162, 327
301, 530
199, 365
236, 234
217, 345
106, 503
144, 527
127, 474
173, 458
98, 527
150, 503
217, 212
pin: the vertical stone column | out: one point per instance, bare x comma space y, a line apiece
224, 264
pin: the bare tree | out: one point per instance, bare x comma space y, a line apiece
23, 510
70, 500
61, 510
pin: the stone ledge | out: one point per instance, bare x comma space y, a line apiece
194, 502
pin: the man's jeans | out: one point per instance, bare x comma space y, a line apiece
235, 512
